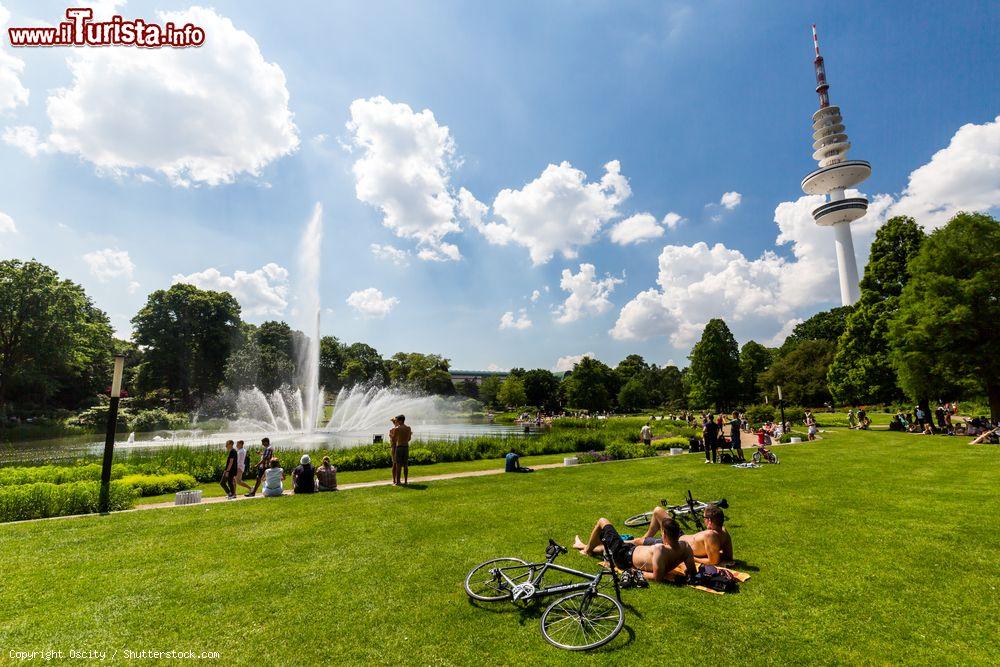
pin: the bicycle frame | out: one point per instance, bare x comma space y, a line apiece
592, 580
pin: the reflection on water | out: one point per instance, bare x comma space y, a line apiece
77, 446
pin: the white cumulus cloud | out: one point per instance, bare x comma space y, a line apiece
535, 296
261, 293
404, 170
963, 176
636, 229
520, 322
390, 253
587, 294
7, 225
671, 220
371, 303
559, 211
198, 116
12, 92
566, 363
730, 200
109, 264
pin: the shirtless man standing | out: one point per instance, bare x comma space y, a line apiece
399, 436
654, 561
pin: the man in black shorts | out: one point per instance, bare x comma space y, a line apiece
266, 454
654, 561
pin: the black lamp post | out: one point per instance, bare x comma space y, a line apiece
781, 405
109, 439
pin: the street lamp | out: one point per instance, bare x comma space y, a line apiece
781, 405
109, 439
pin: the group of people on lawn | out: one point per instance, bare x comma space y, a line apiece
656, 557
268, 473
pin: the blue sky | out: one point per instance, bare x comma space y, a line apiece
692, 99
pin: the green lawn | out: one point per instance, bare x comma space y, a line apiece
865, 547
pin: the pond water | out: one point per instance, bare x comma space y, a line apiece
71, 447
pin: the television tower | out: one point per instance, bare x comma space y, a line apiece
834, 175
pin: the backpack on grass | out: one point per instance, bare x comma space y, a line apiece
712, 577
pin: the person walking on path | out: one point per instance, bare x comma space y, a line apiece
399, 437
241, 466
266, 454
229, 472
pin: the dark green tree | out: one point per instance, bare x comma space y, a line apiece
591, 386
632, 366
54, 344
945, 329
428, 373
754, 360
489, 390
801, 373
861, 371
469, 388
825, 325
541, 389
633, 396
332, 355
363, 365
187, 334
668, 387
715, 368
511, 393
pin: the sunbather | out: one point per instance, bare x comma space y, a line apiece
713, 545
654, 561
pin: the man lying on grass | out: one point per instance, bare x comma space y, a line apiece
654, 561
713, 545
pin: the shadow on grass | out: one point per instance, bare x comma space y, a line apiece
414, 487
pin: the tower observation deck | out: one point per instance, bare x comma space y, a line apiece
834, 175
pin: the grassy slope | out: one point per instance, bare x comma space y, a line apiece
871, 547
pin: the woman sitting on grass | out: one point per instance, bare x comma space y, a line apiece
272, 479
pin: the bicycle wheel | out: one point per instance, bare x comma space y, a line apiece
583, 620
771, 457
639, 520
756, 457
485, 584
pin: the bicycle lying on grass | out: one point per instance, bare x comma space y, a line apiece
582, 619
693, 511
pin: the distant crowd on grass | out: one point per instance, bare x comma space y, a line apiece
269, 474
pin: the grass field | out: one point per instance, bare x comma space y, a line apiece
869, 547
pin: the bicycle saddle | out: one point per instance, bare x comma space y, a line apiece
722, 504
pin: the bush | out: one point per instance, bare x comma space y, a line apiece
50, 474
628, 450
419, 457
38, 501
667, 443
758, 414
157, 485
158, 419
95, 419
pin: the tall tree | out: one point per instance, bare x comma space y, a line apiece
633, 396
331, 362
541, 389
801, 373
825, 325
715, 368
53, 341
363, 365
512, 392
428, 373
489, 390
632, 366
754, 360
945, 330
861, 371
591, 386
187, 334
668, 387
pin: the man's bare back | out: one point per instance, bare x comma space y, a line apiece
710, 546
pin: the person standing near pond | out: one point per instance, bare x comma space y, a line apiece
646, 434
241, 466
399, 437
229, 472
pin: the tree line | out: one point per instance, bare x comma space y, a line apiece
923, 329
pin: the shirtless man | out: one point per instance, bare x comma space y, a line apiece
654, 561
399, 437
713, 545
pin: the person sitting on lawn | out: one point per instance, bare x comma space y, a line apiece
713, 545
326, 475
273, 477
304, 476
512, 463
654, 561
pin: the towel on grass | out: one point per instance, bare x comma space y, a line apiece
679, 573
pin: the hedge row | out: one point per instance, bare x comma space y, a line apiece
15, 476
41, 500
157, 485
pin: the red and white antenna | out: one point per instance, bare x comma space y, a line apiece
821, 85
815, 40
